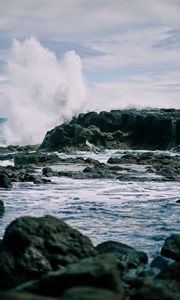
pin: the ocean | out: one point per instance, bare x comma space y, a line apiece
139, 213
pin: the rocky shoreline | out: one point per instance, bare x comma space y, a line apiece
44, 258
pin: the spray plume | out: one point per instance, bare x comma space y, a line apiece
41, 91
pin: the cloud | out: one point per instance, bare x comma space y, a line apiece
137, 91
84, 19
126, 47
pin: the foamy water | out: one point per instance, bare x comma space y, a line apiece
141, 214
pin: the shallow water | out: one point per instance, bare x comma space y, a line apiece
141, 214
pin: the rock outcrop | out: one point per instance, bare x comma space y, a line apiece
138, 129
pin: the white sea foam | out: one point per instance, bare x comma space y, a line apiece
41, 91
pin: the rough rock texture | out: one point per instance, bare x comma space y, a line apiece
34, 246
171, 247
98, 272
139, 129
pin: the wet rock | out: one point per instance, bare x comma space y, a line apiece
36, 179
138, 129
91, 161
178, 201
2, 208
90, 293
98, 272
171, 247
128, 158
100, 170
48, 172
5, 181
32, 247
35, 158
129, 257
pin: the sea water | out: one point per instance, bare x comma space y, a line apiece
141, 214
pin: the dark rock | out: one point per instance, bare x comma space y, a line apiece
2, 209
98, 272
140, 129
127, 255
178, 201
32, 247
160, 263
170, 272
48, 172
152, 292
90, 293
35, 158
99, 170
171, 247
5, 181
91, 161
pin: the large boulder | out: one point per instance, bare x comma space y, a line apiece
102, 271
32, 247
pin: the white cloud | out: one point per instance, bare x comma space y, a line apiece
127, 33
137, 91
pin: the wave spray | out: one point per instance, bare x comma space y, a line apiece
41, 91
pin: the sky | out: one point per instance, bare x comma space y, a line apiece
129, 50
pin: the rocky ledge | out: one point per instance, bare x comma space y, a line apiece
44, 258
136, 129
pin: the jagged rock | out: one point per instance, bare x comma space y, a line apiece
5, 181
171, 247
32, 247
140, 129
99, 272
